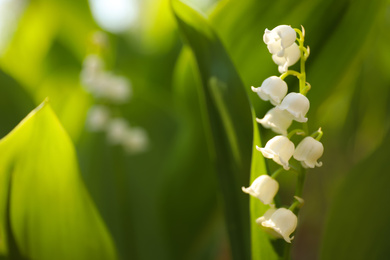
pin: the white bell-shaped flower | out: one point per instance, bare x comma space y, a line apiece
278, 120
279, 38
308, 151
97, 118
282, 221
280, 149
264, 188
297, 105
273, 89
290, 57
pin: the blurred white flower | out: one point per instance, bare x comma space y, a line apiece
115, 16
282, 221
279, 38
102, 84
117, 130
264, 188
290, 57
92, 68
308, 151
117, 89
97, 118
278, 120
280, 149
297, 105
135, 140
273, 89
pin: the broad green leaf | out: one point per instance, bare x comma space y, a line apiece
358, 224
229, 124
190, 218
46, 212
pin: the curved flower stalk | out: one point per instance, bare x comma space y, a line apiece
286, 49
111, 90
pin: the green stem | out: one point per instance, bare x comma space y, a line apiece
277, 172
294, 208
303, 89
300, 182
290, 72
319, 134
296, 131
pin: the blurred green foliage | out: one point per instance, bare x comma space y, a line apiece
170, 202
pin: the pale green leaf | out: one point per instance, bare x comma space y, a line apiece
46, 212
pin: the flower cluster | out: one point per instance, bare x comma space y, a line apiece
110, 90
288, 107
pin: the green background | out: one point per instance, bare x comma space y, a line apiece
189, 74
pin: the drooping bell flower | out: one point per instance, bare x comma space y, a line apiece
297, 105
264, 188
273, 89
308, 151
282, 221
290, 57
280, 149
279, 38
278, 120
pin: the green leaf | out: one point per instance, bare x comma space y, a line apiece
261, 246
229, 123
358, 223
45, 210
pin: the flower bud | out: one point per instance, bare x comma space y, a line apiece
278, 120
264, 188
308, 151
280, 149
282, 221
297, 105
290, 57
279, 38
273, 89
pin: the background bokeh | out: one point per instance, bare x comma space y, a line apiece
165, 203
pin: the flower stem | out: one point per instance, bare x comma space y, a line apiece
290, 72
296, 131
319, 134
277, 172
304, 54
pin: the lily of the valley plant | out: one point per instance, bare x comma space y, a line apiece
294, 150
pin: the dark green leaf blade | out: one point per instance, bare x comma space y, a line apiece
230, 125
